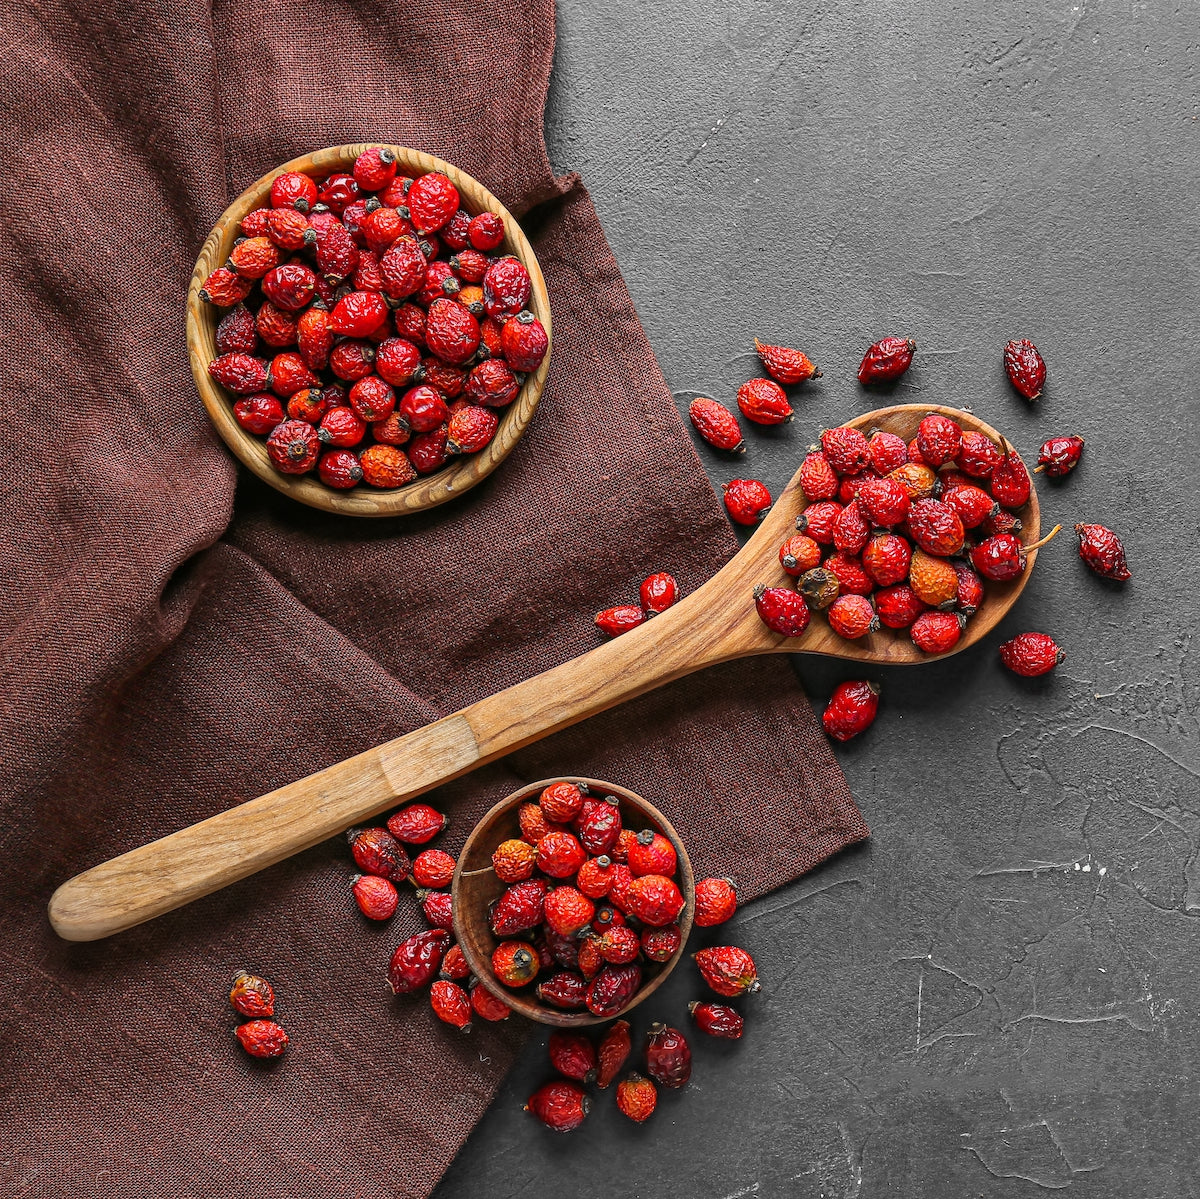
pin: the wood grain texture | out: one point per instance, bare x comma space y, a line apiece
426, 492
476, 887
716, 623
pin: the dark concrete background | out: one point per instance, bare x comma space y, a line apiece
998, 994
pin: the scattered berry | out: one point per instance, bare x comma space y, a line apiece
573, 1055
763, 402
717, 1019
636, 1098
747, 500
1059, 456
716, 424
376, 897
561, 1106
1025, 368
785, 365
851, 709
252, 996
728, 970
1031, 654
1103, 552
716, 901
262, 1038
887, 360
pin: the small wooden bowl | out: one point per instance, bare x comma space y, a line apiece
429, 490
476, 887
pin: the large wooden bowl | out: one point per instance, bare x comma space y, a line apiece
476, 887
430, 490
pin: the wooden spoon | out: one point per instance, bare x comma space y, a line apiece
714, 624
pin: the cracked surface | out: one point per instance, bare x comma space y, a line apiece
997, 996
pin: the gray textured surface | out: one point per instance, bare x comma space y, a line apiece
998, 995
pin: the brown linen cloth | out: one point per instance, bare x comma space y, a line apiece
168, 652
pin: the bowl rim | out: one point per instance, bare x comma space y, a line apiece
526, 1005
428, 491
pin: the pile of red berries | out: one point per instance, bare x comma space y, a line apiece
564, 1103
590, 906
388, 318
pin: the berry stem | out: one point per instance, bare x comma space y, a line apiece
1037, 545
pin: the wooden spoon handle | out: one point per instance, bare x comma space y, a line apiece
204, 857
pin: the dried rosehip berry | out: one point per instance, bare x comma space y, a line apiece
716, 901
851, 709
225, 288
613, 1052
372, 399
515, 963
358, 314
885, 501
236, 333
636, 1098
668, 1056
454, 965
438, 908
513, 860
851, 578
1057, 457
410, 323
432, 201
886, 452
934, 580
566, 990
887, 559
651, 853
1025, 369
818, 480
939, 439
971, 504
601, 827
919, 481
620, 851
451, 332
1103, 552
563, 950
937, 632
240, 373
763, 402
404, 269
1031, 654
523, 341
491, 383
1011, 483
850, 487
258, 413
287, 228
619, 945
658, 592
1001, 522
440, 284
573, 1055
486, 1006
936, 527
397, 361
290, 189
377, 898
519, 908
782, 610
253, 257
470, 428
433, 868
717, 1019
728, 970
416, 960
451, 1004
979, 455
385, 466
970, 589
897, 607
661, 944
716, 424
340, 469
289, 375
610, 992
786, 365
846, 449
618, 894
255, 223
276, 327
559, 854
851, 532
506, 287
416, 824
851, 617
454, 233
424, 408
567, 910
339, 191
746, 500
486, 231
561, 1106
374, 169
654, 899
620, 619
799, 554
595, 877
252, 996
561, 802
887, 360
289, 286
341, 427
293, 447
999, 558
819, 520
376, 851
262, 1038
533, 822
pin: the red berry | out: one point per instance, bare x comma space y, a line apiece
515, 963
561, 802
427, 451
573, 1055
424, 408
786, 365
619, 945
454, 965
440, 283
851, 617
937, 632
1011, 484
897, 607
559, 854
276, 327
454, 233
486, 1006
1025, 368
374, 169
433, 868
255, 223
668, 1056
491, 383
716, 901
717, 1019
470, 428
600, 827
886, 501
595, 877
451, 332
970, 589
567, 910
451, 1004
252, 996
728, 970
747, 500
610, 992
513, 860
225, 288
818, 480
309, 404
851, 530
290, 189
506, 287
819, 520
939, 439
886, 452
416, 960
289, 375
262, 1038
293, 447
978, 456
486, 231
384, 465
716, 424
846, 449
438, 908
999, 558
763, 402
887, 360
636, 1098
236, 334
289, 286
782, 610
651, 853
523, 342
936, 527
342, 427
340, 469
566, 990
561, 1106
658, 592
971, 504
799, 554
520, 908
851, 709
339, 191
358, 314
416, 824
258, 413
376, 897
403, 268
1103, 552
661, 944
376, 851
887, 559
240, 373
618, 620
1057, 457
1031, 654
432, 200
613, 1052
254, 257
919, 481
654, 899
851, 578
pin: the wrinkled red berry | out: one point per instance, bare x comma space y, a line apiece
573, 1055
717, 1019
258, 413
519, 908
561, 1106
432, 200
799, 554
668, 1056
486, 231
340, 469
376, 851
886, 360
782, 610
376, 897
293, 447
897, 607
851, 709
819, 520
613, 1052
1103, 552
1011, 483
716, 424
262, 1038
885, 501
240, 373
654, 899
1025, 368
1031, 654
341, 427
1058, 456
523, 342
225, 288
937, 632
291, 189
506, 287
936, 527
764, 402
236, 333
566, 990
886, 452
846, 449
971, 504
887, 559
786, 365
486, 1006
416, 824
728, 970
374, 169
620, 619
289, 286
970, 589
851, 530
716, 901
491, 383
427, 451
451, 1004
416, 960
610, 992
851, 617
252, 996
433, 868
746, 500
661, 944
